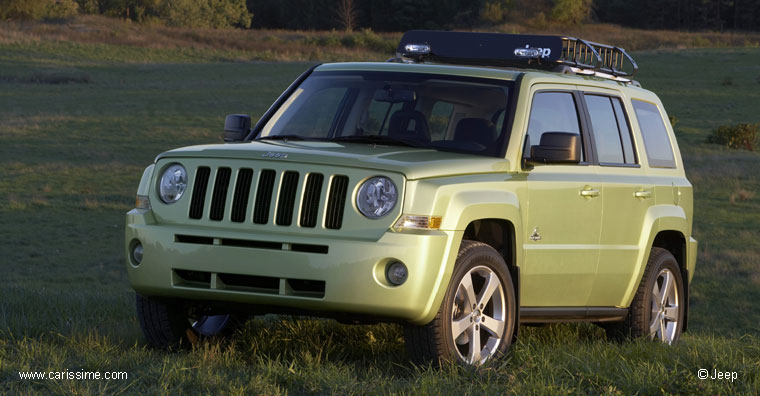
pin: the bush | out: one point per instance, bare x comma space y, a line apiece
184, 13
495, 11
205, 13
366, 38
571, 12
37, 9
739, 136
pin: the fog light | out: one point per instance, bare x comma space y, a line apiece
396, 273
137, 253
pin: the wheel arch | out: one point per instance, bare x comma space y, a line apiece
666, 227
500, 235
494, 218
674, 241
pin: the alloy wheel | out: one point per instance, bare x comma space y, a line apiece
665, 307
478, 315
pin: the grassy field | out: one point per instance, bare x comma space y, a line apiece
71, 155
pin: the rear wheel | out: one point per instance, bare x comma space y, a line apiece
476, 320
657, 309
169, 324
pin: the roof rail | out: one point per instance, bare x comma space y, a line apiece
553, 53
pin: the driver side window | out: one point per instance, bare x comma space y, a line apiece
553, 112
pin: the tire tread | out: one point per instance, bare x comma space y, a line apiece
159, 323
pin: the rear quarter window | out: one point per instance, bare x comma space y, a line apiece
656, 140
613, 137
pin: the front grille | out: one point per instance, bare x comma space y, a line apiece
289, 193
264, 284
249, 283
263, 197
253, 244
288, 190
219, 198
199, 192
310, 202
336, 201
242, 190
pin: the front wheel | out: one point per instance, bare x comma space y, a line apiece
476, 320
169, 324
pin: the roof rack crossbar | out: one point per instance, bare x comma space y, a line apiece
595, 56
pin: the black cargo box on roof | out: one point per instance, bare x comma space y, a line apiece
515, 50
482, 48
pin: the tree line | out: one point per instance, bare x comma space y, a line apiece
400, 15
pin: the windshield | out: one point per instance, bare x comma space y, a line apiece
439, 112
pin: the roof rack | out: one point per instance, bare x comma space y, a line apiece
555, 53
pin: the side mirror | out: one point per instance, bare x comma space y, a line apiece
557, 148
236, 127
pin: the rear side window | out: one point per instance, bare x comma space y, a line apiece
613, 137
656, 141
553, 112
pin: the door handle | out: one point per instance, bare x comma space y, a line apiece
646, 194
590, 192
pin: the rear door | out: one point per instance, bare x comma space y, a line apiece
628, 195
564, 209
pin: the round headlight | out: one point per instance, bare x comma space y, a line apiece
377, 197
173, 183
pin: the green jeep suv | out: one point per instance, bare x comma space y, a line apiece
470, 184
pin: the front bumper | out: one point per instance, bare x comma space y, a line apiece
270, 270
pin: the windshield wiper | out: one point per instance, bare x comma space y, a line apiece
379, 139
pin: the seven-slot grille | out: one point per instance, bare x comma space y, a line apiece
261, 185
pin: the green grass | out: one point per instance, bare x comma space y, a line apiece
70, 159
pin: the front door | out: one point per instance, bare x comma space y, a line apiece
564, 211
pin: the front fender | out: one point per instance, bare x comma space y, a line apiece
460, 201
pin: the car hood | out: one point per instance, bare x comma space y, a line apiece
414, 163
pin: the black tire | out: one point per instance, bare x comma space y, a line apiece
434, 342
170, 325
642, 313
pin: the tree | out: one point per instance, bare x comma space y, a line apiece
347, 14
